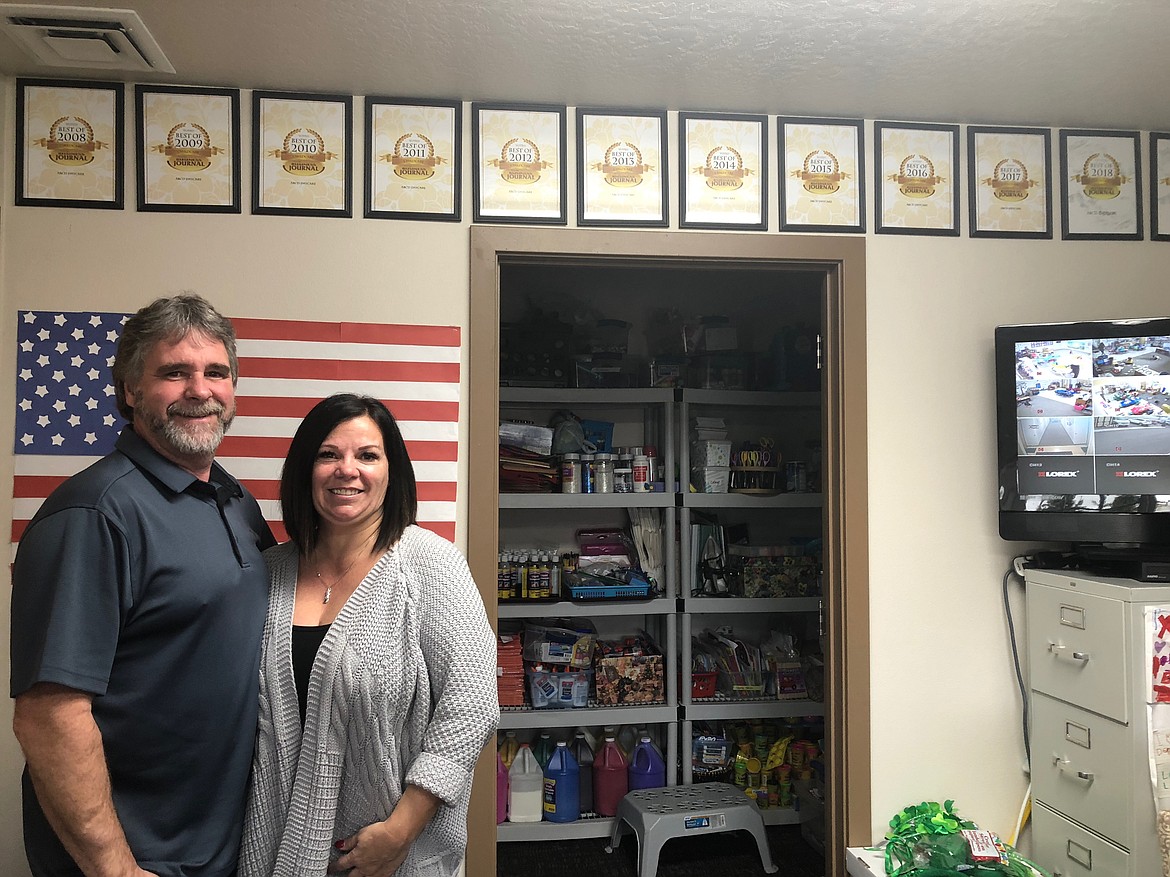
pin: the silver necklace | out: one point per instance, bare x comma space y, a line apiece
329, 587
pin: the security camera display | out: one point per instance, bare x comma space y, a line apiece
1093, 420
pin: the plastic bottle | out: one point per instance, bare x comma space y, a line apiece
627, 739
522, 577
584, 755
501, 790
525, 787
603, 473
502, 575
554, 576
544, 749
640, 472
571, 473
541, 688
651, 453
611, 778
508, 748
647, 769
580, 690
562, 796
588, 485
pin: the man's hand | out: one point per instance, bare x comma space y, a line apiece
67, 764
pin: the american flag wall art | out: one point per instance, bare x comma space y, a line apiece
66, 417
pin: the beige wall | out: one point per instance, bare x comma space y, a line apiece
945, 712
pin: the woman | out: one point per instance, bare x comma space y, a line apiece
377, 679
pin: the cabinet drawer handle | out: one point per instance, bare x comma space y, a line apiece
1058, 648
1061, 763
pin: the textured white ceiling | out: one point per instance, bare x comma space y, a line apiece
1089, 63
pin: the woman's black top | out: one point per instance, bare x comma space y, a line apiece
306, 640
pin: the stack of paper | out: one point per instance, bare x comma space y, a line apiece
509, 670
709, 428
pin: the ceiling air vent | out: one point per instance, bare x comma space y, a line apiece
81, 36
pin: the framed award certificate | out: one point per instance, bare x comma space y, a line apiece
621, 167
188, 149
723, 174
413, 159
1009, 182
518, 152
916, 191
1160, 187
1101, 171
69, 149
301, 154
822, 175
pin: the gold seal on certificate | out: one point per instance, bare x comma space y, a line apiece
622, 166
71, 141
916, 177
303, 153
1101, 176
1009, 181
820, 173
414, 157
188, 147
519, 162
724, 169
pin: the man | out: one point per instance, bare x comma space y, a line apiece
138, 602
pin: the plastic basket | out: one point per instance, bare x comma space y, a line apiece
609, 592
703, 684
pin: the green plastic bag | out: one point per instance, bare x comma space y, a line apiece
932, 840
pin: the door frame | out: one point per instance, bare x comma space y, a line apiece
844, 471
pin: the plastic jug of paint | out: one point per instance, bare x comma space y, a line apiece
584, 755
647, 769
501, 790
509, 748
526, 787
562, 796
544, 749
610, 776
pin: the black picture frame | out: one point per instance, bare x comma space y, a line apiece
142, 94
883, 166
975, 228
498, 213
1159, 175
344, 208
788, 224
586, 215
686, 169
370, 210
1070, 215
92, 144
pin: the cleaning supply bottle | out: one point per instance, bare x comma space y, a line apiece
508, 748
610, 776
525, 787
647, 769
584, 755
544, 749
501, 789
627, 739
562, 796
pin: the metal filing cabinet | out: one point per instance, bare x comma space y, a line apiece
1093, 813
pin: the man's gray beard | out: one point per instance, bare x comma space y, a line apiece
197, 443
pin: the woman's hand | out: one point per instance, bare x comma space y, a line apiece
378, 850
375, 851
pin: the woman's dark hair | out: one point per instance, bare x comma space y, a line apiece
399, 509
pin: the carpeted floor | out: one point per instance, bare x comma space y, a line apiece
732, 854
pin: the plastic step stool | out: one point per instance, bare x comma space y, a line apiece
659, 815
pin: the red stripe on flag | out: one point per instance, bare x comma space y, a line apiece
24, 486
364, 333
18, 528
446, 529
402, 409
347, 370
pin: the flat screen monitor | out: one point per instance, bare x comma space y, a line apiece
1083, 413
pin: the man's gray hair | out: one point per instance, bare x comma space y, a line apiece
167, 319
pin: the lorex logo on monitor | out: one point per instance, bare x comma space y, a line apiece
1153, 473
1073, 474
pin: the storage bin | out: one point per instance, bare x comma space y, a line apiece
711, 452
609, 336
710, 479
719, 371
703, 684
557, 688
747, 683
623, 679
548, 643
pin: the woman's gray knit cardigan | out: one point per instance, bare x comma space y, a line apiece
403, 691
